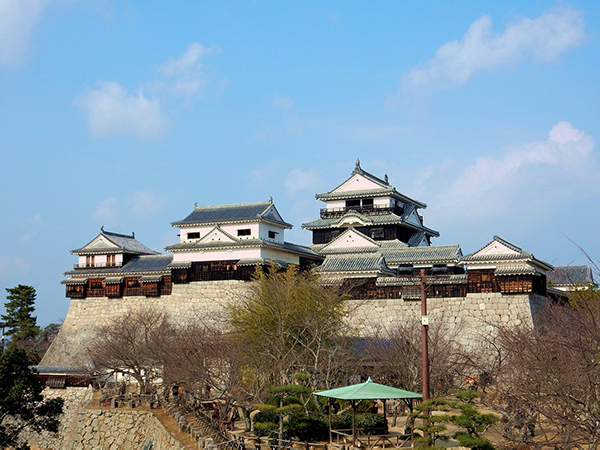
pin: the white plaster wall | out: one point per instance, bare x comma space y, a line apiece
264, 229
357, 182
217, 255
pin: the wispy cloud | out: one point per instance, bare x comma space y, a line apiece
186, 74
146, 204
137, 205
111, 109
302, 180
17, 21
532, 178
288, 122
107, 212
542, 39
13, 265
31, 227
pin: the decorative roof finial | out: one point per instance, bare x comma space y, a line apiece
386, 179
357, 164
270, 199
133, 234
102, 228
195, 204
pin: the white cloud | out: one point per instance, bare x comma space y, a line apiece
146, 204
302, 180
111, 110
137, 205
17, 20
522, 181
107, 212
31, 227
543, 39
13, 265
187, 71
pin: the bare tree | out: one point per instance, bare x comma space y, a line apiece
395, 356
131, 345
552, 372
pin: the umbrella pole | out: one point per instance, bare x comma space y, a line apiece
385, 430
353, 423
330, 421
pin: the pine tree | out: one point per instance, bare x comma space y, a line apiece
21, 324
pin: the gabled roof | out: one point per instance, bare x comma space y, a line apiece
142, 264
108, 242
366, 264
571, 275
242, 212
359, 241
394, 251
502, 251
375, 187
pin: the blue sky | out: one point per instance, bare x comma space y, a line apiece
125, 113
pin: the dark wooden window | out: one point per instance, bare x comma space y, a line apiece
273, 234
368, 202
377, 233
352, 203
243, 232
194, 235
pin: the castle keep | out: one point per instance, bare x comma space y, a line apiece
368, 236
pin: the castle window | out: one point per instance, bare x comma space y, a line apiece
367, 202
244, 232
377, 233
194, 235
352, 203
273, 234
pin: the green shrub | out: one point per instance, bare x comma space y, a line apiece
368, 423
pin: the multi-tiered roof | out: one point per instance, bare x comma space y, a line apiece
373, 207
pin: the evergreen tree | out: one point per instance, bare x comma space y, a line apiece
22, 405
22, 325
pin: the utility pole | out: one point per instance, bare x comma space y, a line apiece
424, 344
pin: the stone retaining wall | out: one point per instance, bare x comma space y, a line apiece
121, 429
470, 317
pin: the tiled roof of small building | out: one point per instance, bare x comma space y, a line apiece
372, 263
137, 264
124, 243
427, 254
242, 212
571, 275
416, 281
148, 263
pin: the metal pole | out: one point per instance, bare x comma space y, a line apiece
424, 345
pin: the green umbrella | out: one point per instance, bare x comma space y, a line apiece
368, 390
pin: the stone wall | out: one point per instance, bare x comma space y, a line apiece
204, 301
74, 398
469, 317
121, 429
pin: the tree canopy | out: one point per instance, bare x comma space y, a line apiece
291, 323
22, 405
19, 319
